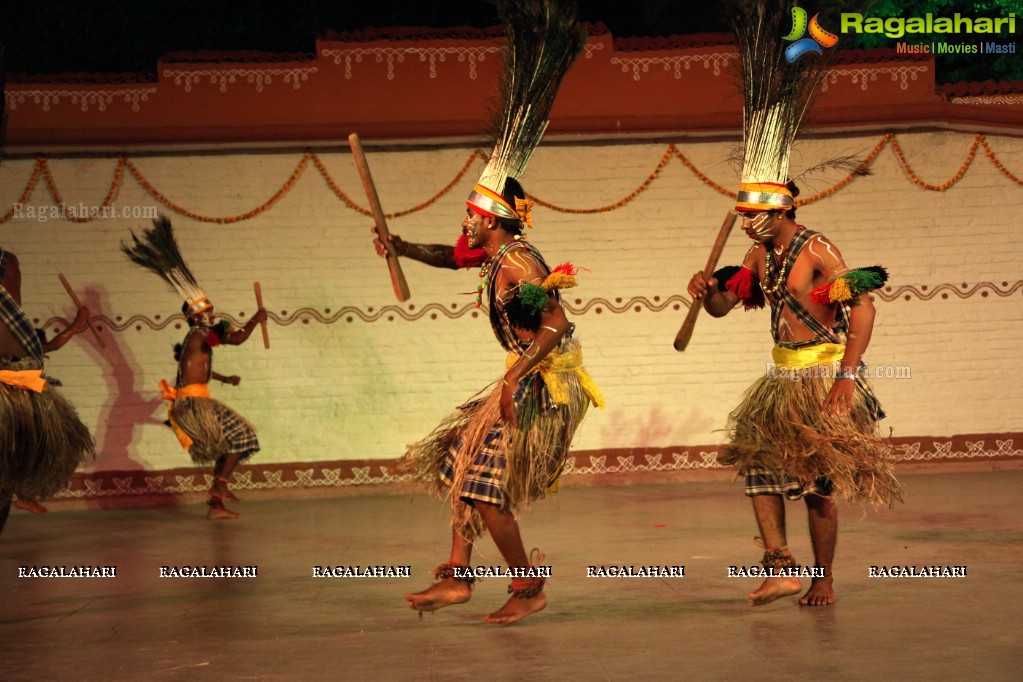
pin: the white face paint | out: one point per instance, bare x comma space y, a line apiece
758, 227
471, 228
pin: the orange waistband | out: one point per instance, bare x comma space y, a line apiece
186, 391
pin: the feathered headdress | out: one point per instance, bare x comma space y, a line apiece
157, 251
776, 94
543, 39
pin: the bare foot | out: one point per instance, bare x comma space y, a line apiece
218, 511
444, 593
30, 506
220, 492
517, 608
774, 588
821, 592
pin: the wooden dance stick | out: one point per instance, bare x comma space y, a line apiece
397, 276
686, 332
78, 304
259, 305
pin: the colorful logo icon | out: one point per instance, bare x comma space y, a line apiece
819, 37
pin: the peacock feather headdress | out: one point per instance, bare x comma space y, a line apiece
157, 251
543, 39
777, 93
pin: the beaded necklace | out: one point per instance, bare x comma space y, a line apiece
488, 264
777, 277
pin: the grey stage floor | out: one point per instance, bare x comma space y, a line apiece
287, 625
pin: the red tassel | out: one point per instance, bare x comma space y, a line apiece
822, 294
466, 257
567, 269
213, 339
744, 285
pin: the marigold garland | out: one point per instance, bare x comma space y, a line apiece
998, 164
945, 185
42, 169
618, 204
51, 187
29, 188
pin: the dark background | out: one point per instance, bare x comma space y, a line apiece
128, 36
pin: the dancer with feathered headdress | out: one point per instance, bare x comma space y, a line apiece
808, 428
208, 430
507, 446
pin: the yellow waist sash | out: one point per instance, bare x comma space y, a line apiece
811, 356
553, 368
29, 379
171, 394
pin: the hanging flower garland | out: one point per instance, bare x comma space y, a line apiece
998, 164
29, 188
864, 165
945, 185
159, 196
42, 169
618, 204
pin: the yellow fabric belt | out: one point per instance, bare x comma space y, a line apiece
811, 356
553, 368
171, 394
29, 379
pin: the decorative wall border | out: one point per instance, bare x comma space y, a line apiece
869, 74
989, 99
259, 77
717, 61
393, 55
348, 473
84, 98
410, 312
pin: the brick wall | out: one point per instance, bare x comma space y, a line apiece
351, 374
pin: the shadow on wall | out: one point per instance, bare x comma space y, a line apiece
126, 408
658, 429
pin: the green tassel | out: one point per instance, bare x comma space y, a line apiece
866, 279
532, 297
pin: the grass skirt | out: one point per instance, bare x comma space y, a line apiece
535, 450
215, 429
42, 439
779, 426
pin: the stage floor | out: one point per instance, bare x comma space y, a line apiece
285, 624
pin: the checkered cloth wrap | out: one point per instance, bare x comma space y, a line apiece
483, 480
14, 319
760, 481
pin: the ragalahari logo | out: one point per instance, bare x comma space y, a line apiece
819, 37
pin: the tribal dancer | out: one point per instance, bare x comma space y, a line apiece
210, 431
808, 428
507, 446
49, 346
42, 440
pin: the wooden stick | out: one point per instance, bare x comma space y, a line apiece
397, 276
78, 304
686, 331
259, 305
